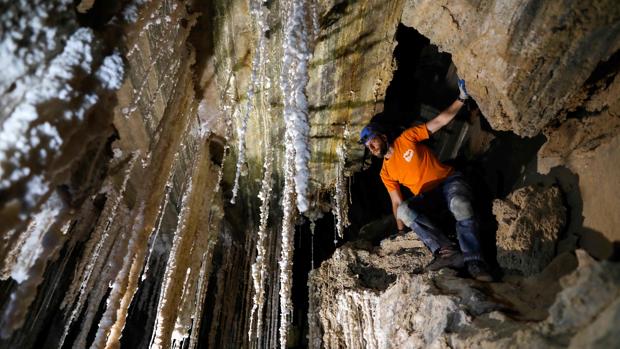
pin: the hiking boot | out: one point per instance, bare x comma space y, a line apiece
479, 271
446, 258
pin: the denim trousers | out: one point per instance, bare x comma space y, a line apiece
457, 194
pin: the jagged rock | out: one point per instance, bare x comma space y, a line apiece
529, 222
443, 310
590, 290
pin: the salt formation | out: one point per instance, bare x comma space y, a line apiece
24, 140
129, 253
341, 207
286, 249
91, 267
382, 299
293, 81
259, 267
44, 239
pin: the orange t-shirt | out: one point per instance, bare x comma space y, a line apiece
413, 164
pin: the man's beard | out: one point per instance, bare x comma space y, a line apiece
383, 149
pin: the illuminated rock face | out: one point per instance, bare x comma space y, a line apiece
525, 62
526, 242
118, 154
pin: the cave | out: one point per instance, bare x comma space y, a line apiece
188, 174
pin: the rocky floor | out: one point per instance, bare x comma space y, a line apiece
380, 297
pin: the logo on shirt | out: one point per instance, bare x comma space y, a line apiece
408, 155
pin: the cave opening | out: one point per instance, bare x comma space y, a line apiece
495, 162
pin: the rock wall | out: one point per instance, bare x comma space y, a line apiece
587, 145
123, 216
525, 62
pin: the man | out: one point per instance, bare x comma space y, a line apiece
408, 162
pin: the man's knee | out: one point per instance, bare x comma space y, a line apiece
406, 214
461, 208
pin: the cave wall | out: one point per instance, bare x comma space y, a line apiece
115, 197
121, 233
525, 62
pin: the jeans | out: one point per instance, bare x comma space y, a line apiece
457, 194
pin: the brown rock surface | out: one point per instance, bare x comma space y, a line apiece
588, 146
524, 62
529, 223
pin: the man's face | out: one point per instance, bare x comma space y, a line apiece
377, 146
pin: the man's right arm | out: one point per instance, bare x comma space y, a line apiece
397, 198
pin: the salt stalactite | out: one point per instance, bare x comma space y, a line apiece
158, 340
205, 270
122, 258
44, 240
180, 284
341, 207
256, 11
259, 268
161, 213
293, 82
286, 252
227, 99
100, 237
204, 230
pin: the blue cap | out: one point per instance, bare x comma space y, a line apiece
371, 130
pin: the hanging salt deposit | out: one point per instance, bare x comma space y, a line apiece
259, 268
341, 207
44, 240
286, 254
293, 82
103, 243
180, 282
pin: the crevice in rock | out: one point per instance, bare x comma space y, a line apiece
372, 277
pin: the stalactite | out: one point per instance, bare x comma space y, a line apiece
205, 271
293, 81
44, 240
123, 259
179, 286
286, 252
341, 208
227, 98
259, 268
101, 242
160, 214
